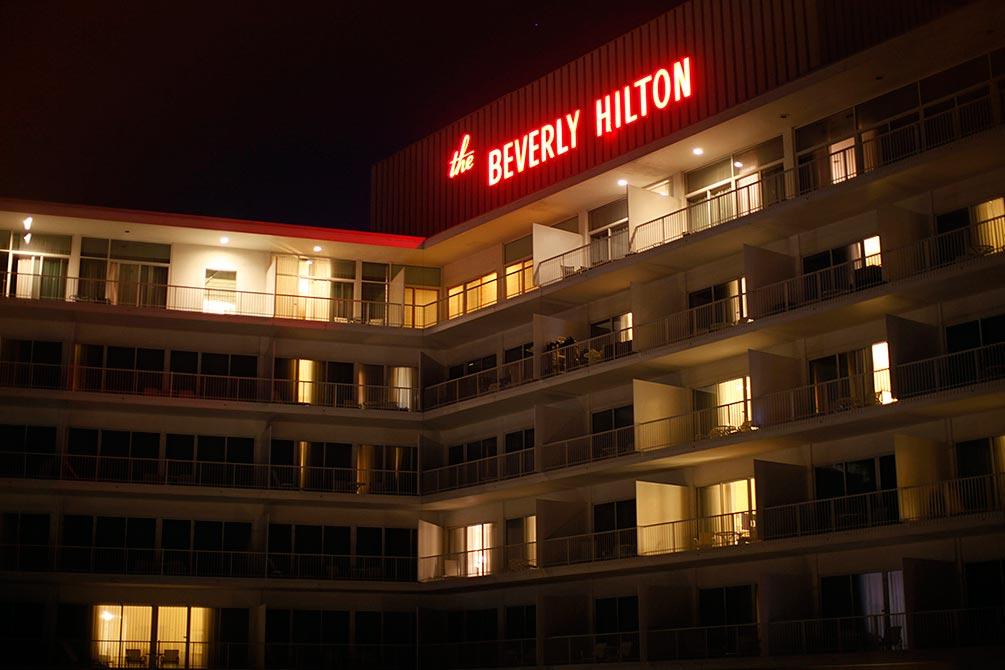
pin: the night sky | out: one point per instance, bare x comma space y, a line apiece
268, 111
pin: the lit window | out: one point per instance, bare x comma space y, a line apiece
420, 307
519, 278
871, 249
881, 372
842, 160
221, 292
472, 296
470, 551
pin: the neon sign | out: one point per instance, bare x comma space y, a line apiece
623, 106
534, 148
463, 159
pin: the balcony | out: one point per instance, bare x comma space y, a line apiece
968, 248
482, 471
592, 648
936, 503
870, 152
80, 468
515, 653
742, 419
180, 385
889, 632
205, 563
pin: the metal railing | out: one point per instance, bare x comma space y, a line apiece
924, 502
870, 152
204, 563
888, 632
363, 656
879, 387
622, 647
205, 386
478, 384
956, 248
481, 471
77, 467
703, 642
579, 355
514, 653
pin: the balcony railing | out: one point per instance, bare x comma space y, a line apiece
880, 387
481, 471
204, 386
889, 632
954, 249
703, 642
515, 653
359, 656
204, 563
76, 467
579, 355
925, 502
592, 648
870, 152
477, 384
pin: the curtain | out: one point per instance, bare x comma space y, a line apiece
112, 283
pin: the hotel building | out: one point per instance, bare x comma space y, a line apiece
689, 353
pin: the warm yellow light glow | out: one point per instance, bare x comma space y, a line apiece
27, 238
317, 248
697, 151
224, 240
622, 182
881, 373
27, 222
872, 250
305, 380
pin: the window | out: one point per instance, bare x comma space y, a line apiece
614, 529
723, 408
609, 232
727, 606
842, 269
420, 306
716, 306
472, 451
472, 296
521, 542
123, 634
616, 615
726, 512
221, 292
869, 597
615, 341
855, 477
37, 267
974, 334
521, 623
519, 277
31, 363
470, 550
123, 272
374, 288
611, 431
315, 288
735, 185
852, 379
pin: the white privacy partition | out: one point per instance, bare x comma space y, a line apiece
657, 506
645, 206
552, 242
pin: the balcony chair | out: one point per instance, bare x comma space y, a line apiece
135, 658
170, 658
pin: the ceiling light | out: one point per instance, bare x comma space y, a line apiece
697, 151
622, 182
317, 248
106, 615
27, 238
224, 240
27, 222
737, 164
310, 262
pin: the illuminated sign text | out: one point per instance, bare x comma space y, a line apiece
630, 103
463, 159
534, 148
620, 107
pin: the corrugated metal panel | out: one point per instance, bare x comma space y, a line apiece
739, 50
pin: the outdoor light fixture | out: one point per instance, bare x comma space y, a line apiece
317, 248
697, 151
27, 222
224, 240
737, 164
27, 238
622, 182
